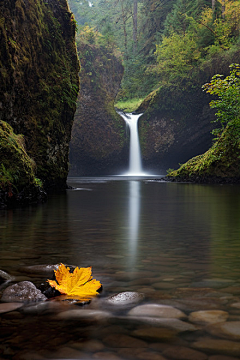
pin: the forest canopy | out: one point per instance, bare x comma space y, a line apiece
160, 40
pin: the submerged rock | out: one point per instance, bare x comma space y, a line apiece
9, 307
218, 346
24, 291
229, 330
45, 270
156, 310
84, 314
184, 353
208, 317
125, 298
5, 276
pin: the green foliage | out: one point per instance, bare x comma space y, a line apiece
228, 92
177, 54
128, 105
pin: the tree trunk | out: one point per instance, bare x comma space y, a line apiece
135, 14
213, 4
124, 30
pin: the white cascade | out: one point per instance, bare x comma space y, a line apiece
135, 163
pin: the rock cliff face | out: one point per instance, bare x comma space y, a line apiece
99, 141
177, 121
39, 81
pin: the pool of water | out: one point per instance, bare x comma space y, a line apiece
177, 244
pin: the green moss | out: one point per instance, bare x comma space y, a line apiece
17, 169
222, 160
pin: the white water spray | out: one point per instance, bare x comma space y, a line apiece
135, 163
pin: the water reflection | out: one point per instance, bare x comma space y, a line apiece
134, 213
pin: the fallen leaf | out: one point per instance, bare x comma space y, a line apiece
79, 283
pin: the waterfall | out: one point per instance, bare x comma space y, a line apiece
135, 163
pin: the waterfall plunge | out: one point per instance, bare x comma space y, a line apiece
135, 163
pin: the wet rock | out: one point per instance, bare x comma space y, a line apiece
163, 311
130, 353
183, 353
155, 333
6, 307
170, 323
149, 355
208, 317
192, 304
236, 305
125, 298
228, 330
213, 283
232, 290
218, 346
44, 270
83, 314
91, 345
164, 285
221, 357
31, 355
24, 291
67, 353
123, 341
5, 276
107, 355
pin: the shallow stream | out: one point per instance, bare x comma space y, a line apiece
177, 244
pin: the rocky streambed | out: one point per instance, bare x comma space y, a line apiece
137, 316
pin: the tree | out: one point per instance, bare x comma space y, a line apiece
228, 92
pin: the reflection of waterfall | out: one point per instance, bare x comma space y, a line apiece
134, 212
135, 164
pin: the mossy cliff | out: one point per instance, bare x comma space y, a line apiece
221, 163
17, 178
39, 81
177, 120
99, 143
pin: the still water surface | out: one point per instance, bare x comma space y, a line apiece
179, 244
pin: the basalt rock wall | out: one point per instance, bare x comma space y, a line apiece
177, 120
39, 81
99, 141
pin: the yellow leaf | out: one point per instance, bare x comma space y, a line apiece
79, 283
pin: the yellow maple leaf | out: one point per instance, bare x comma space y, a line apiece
79, 283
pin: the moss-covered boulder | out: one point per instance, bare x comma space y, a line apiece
39, 81
99, 143
220, 164
177, 120
18, 184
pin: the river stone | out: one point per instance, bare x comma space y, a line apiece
216, 345
221, 357
229, 330
149, 355
170, 323
236, 305
123, 341
24, 291
125, 298
6, 307
5, 276
213, 283
107, 355
155, 333
163, 311
91, 345
45, 270
208, 317
83, 314
183, 353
